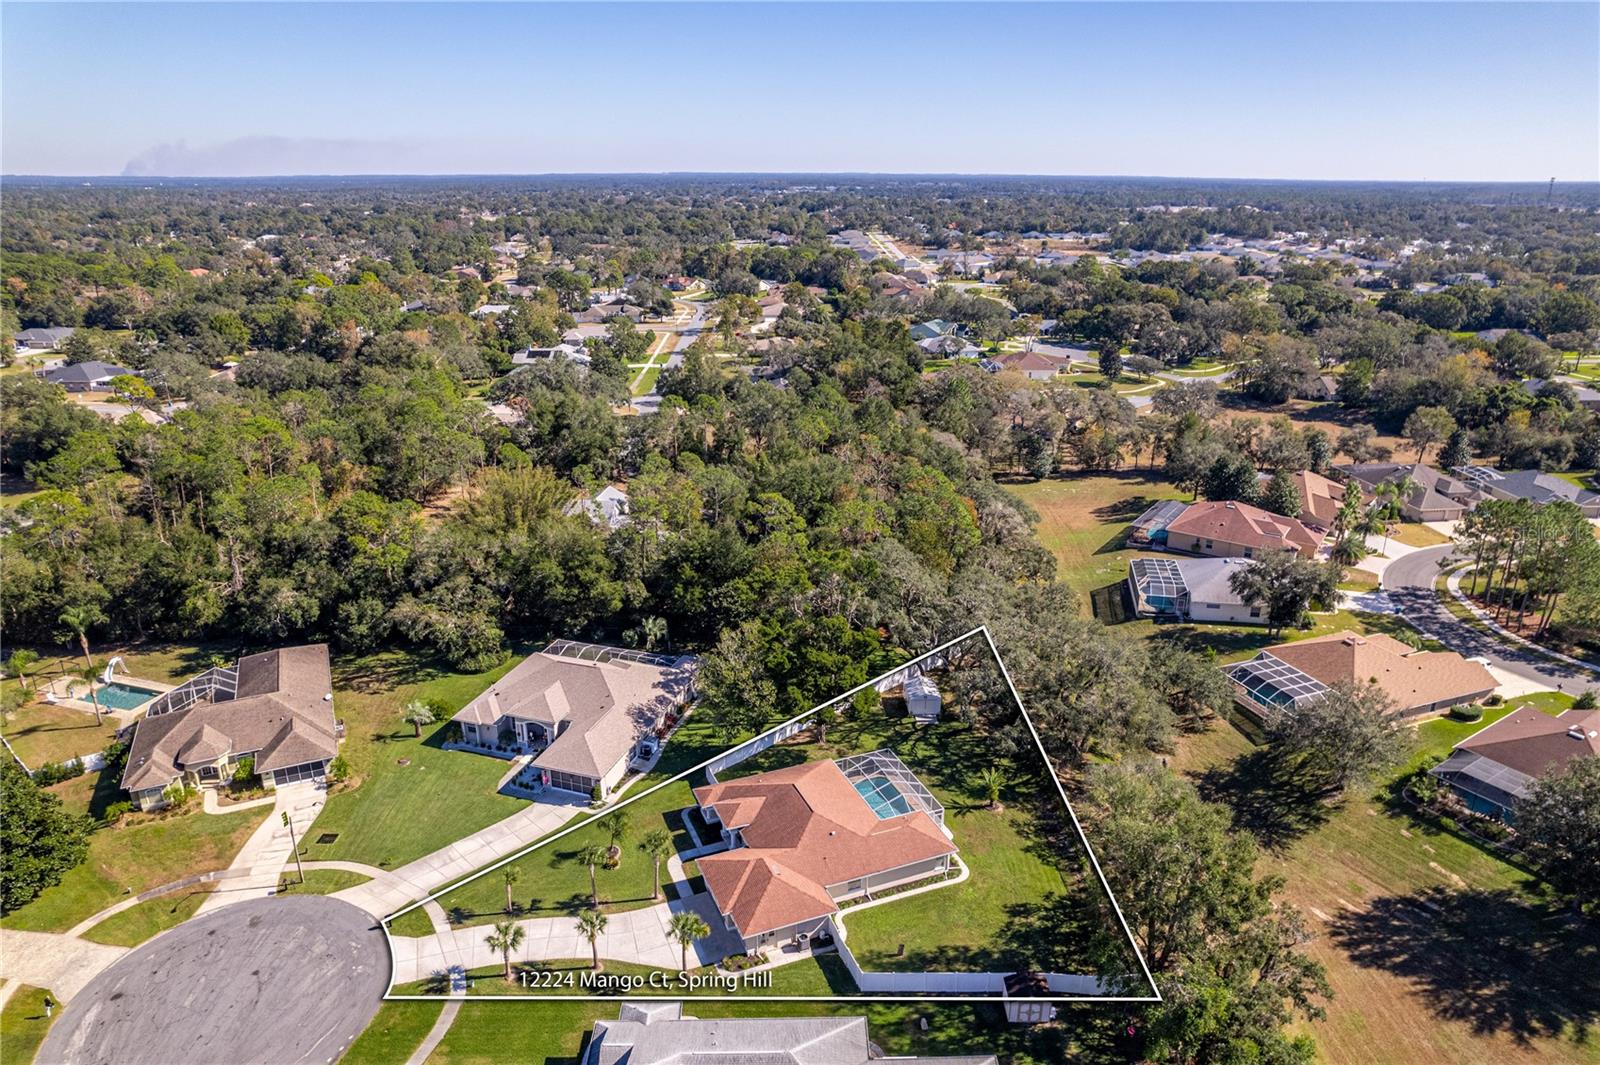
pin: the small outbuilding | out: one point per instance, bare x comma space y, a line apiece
923, 700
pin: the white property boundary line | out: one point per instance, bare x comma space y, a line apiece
983, 630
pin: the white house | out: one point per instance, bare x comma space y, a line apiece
1194, 589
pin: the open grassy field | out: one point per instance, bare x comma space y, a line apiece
1083, 520
134, 856
23, 1025
145, 919
1437, 950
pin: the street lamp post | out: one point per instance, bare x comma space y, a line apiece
296, 845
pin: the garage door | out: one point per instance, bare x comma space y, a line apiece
296, 773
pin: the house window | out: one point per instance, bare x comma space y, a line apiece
1247, 552
1255, 611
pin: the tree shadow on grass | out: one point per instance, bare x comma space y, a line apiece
1267, 798
1487, 959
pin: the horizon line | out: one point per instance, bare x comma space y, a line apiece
852, 174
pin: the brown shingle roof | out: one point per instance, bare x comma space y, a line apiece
279, 713
806, 828
1536, 743
597, 709
1410, 677
1240, 523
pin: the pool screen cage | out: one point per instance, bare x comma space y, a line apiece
884, 766
594, 652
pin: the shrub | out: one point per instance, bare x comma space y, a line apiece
594, 793
338, 770
1587, 701
1466, 712
176, 794
55, 772
113, 812
244, 770
1494, 700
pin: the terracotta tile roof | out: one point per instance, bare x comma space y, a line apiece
1536, 743
279, 713
805, 828
1410, 677
1240, 523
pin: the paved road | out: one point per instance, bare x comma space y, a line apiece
650, 402
1409, 582
275, 981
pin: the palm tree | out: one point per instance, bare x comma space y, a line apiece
591, 925
417, 714
615, 826
654, 630
510, 874
593, 855
657, 845
685, 928
88, 674
80, 619
991, 780
506, 937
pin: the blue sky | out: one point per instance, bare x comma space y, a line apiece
1335, 91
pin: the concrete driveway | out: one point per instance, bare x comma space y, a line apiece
270, 981
638, 936
1409, 582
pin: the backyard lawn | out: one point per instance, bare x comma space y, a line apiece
143, 920
23, 1025
1437, 950
134, 857
40, 733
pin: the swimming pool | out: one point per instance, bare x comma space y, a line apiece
884, 798
120, 696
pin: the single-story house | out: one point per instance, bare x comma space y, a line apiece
1290, 675
43, 338
1320, 499
657, 1033
1497, 765
1322, 387
1151, 526
489, 309
1230, 529
574, 352
608, 507
1195, 589
1436, 496
582, 710
1533, 485
1587, 397
275, 708
806, 837
91, 376
933, 327
1034, 365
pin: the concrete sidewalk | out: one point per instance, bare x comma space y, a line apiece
638, 936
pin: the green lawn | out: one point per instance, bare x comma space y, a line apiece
144, 920
1083, 521
128, 858
410, 797
23, 1025
396, 1030
41, 733
319, 881
412, 923
554, 881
